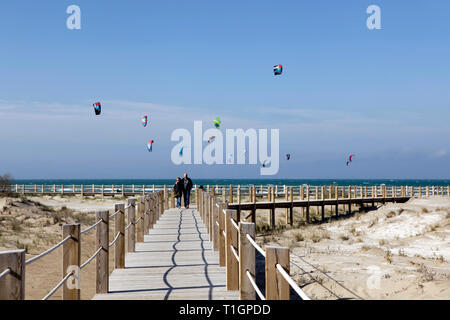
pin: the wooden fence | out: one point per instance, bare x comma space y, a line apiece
333, 196
141, 213
237, 193
235, 243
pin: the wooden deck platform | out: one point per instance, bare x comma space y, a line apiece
175, 261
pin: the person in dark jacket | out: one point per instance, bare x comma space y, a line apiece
187, 183
178, 191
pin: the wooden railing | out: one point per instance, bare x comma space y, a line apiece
334, 197
235, 242
236, 193
142, 213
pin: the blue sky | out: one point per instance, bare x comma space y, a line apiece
383, 95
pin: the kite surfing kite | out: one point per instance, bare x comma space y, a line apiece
278, 69
181, 151
350, 159
144, 121
288, 157
97, 108
230, 158
150, 145
217, 122
264, 163
211, 139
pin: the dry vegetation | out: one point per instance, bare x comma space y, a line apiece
35, 227
409, 243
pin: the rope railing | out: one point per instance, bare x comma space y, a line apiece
235, 254
234, 224
15, 286
91, 258
115, 213
257, 247
129, 225
51, 293
241, 268
5, 273
115, 240
92, 227
337, 282
291, 282
255, 286
46, 252
136, 222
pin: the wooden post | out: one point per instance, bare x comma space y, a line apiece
102, 258
215, 227
277, 288
153, 210
231, 239
317, 198
286, 198
71, 261
239, 194
224, 197
140, 224
349, 199
146, 209
143, 190
222, 254
82, 190
231, 194
132, 189
323, 203
103, 191
336, 194
62, 189
12, 286
307, 204
119, 227
132, 228
247, 261
291, 209
254, 206
272, 210
112, 190
302, 196
211, 217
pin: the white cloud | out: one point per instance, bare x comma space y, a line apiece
439, 153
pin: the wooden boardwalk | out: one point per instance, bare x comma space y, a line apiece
175, 261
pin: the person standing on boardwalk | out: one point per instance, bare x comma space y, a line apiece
178, 191
187, 190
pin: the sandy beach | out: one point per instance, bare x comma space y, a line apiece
399, 251
35, 224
